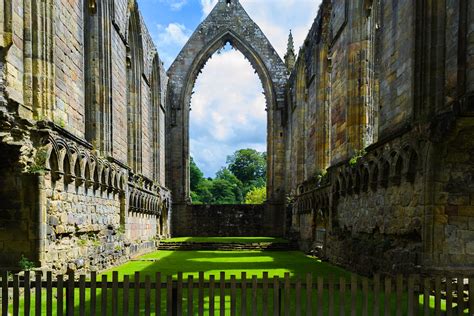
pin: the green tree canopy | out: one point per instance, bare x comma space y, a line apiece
248, 165
245, 171
195, 174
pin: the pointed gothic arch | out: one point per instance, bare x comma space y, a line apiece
134, 89
227, 23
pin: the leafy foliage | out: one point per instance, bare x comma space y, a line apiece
256, 196
248, 165
25, 264
227, 187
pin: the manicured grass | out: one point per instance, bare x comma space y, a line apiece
276, 263
241, 240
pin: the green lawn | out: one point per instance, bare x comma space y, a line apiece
232, 262
241, 240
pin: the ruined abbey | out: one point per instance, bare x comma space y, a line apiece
370, 133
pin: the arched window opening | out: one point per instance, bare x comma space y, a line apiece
227, 118
412, 167
157, 121
134, 92
385, 174
98, 74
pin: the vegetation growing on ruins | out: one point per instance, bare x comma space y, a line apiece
241, 181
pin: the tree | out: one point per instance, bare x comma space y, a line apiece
248, 165
222, 192
256, 196
237, 187
195, 175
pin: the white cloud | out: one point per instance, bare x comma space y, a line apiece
207, 6
175, 5
170, 40
173, 34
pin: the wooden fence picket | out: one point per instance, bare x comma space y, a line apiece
438, 296
126, 294
26, 294
449, 296
136, 294
309, 294
201, 294
233, 296
353, 294
115, 293
376, 295
331, 296
388, 296
411, 295
82, 295
103, 295
426, 296
276, 296
70, 294
179, 294
190, 295
4, 293
298, 297
254, 295
399, 291
287, 293
147, 296
59, 297
320, 295
222, 294
211, 295
158, 294
342, 294
243, 293
365, 297
93, 292
460, 298
38, 296
471, 297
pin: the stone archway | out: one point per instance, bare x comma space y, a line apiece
227, 23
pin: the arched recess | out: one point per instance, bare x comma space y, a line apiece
134, 90
298, 114
156, 118
98, 74
227, 23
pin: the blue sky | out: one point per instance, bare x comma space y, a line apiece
228, 106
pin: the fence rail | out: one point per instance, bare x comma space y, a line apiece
138, 294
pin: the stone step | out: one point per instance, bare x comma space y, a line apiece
226, 246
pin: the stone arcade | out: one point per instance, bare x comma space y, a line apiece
370, 133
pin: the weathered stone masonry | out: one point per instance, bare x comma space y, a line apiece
82, 102
379, 135
370, 133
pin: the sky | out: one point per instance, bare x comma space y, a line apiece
228, 106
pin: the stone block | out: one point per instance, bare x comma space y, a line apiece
466, 235
470, 248
466, 211
461, 199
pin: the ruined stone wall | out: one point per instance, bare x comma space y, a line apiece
386, 186
226, 220
65, 120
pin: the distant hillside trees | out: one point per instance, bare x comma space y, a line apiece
243, 180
